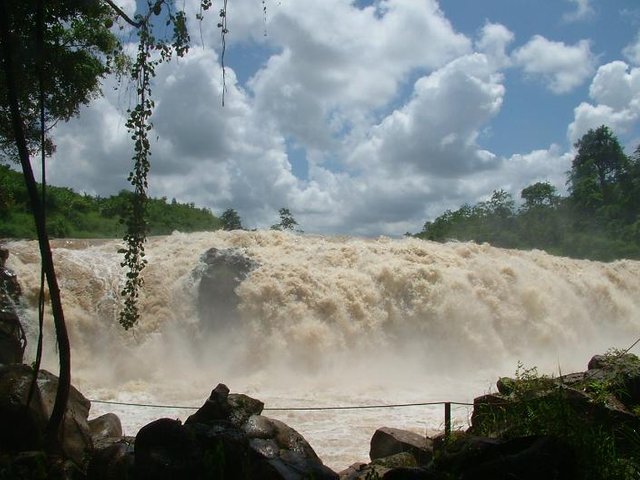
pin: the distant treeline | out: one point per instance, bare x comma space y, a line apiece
70, 214
599, 219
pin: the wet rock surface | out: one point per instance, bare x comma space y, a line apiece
221, 272
12, 337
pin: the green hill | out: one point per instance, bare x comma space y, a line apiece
70, 214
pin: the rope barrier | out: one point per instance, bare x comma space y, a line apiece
287, 409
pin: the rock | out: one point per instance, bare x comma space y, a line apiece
215, 409
226, 438
524, 458
23, 428
236, 408
220, 275
411, 473
258, 426
165, 449
112, 459
389, 441
398, 460
105, 426
38, 465
12, 337
243, 407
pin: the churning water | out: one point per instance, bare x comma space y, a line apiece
327, 321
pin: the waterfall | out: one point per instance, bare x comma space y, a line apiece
325, 321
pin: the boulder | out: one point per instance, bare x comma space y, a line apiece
226, 438
523, 458
390, 441
105, 426
112, 459
23, 427
221, 272
165, 449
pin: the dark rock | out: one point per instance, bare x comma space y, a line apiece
389, 441
23, 428
398, 460
12, 337
105, 426
222, 272
524, 458
411, 473
38, 465
243, 407
266, 447
13, 340
226, 438
216, 407
112, 459
165, 449
258, 426
506, 385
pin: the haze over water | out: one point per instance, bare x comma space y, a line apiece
327, 321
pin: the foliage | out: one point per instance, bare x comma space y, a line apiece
287, 222
74, 215
540, 405
599, 220
231, 220
78, 50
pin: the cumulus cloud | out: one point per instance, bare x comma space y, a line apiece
560, 66
328, 76
583, 11
493, 42
391, 135
436, 130
632, 51
615, 91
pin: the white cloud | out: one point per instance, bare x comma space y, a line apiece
583, 11
436, 131
329, 75
392, 135
493, 42
632, 51
561, 67
615, 91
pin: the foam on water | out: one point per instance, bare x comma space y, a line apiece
331, 321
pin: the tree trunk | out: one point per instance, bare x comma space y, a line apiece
62, 395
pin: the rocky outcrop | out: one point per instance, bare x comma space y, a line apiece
390, 441
12, 337
226, 438
23, 425
221, 273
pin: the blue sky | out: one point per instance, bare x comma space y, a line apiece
370, 117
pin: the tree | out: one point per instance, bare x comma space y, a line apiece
76, 50
287, 222
53, 55
540, 194
231, 220
598, 166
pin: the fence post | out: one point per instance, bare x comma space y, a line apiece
447, 420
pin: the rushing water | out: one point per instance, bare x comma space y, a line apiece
329, 321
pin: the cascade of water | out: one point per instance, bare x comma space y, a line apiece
326, 321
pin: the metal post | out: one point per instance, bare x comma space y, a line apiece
447, 420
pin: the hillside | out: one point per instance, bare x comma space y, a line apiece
70, 214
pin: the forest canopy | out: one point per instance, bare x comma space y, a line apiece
599, 219
70, 214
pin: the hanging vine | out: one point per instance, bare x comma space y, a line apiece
151, 53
